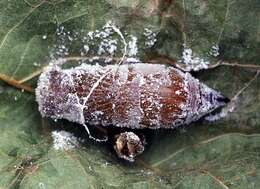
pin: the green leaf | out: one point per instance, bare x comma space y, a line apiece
222, 154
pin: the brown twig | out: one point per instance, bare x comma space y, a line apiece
16, 83
240, 65
235, 64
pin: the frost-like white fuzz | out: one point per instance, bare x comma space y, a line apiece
191, 61
63, 140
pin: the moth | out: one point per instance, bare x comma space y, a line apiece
134, 96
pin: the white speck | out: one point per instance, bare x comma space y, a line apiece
108, 59
36, 64
150, 37
41, 185
192, 62
96, 58
132, 46
103, 42
214, 51
63, 140
44, 37
90, 168
86, 48
132, 60
91, 34
105, 164
15, 98
177, 92
132, 136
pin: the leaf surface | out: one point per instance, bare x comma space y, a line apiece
222, 154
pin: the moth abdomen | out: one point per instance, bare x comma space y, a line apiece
134, 96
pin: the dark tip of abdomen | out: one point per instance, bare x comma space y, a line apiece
222, 99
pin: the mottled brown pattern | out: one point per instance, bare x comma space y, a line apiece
134, 96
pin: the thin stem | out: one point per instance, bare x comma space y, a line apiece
215, 179
222, 63
91, 137
246, 86
31, 76
240, 65
16, 83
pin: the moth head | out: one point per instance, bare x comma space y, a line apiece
128, 145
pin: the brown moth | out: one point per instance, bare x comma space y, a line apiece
135, 96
